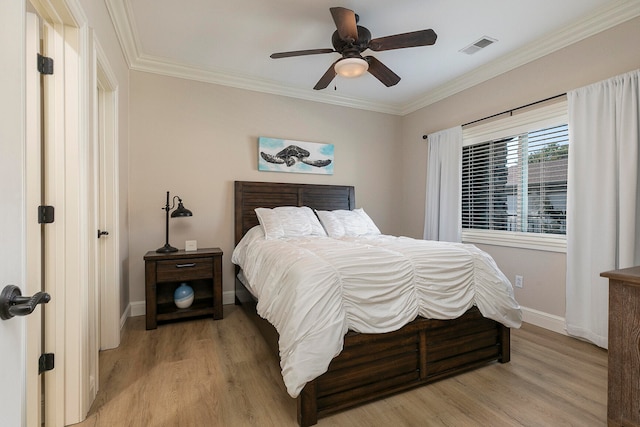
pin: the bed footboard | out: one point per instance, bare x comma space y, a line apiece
372, 366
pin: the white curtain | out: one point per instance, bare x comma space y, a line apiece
443, 211
603, 215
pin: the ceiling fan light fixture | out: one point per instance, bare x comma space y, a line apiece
351, 67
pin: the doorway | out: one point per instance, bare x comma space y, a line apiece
108, 206
71, 254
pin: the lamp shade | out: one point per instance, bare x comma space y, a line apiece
181, 211
351, 67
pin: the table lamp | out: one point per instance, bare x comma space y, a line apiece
178, 212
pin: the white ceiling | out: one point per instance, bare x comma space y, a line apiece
229, 42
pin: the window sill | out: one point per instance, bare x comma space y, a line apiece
539, 242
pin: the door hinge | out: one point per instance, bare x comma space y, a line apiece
45, 64
46, 362
46, 214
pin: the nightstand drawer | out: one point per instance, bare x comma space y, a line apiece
184, 269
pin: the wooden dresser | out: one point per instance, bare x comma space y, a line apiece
623, 401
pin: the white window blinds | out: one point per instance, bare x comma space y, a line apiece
514, 175
517, 183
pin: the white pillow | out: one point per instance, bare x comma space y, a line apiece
289, 221
341, 223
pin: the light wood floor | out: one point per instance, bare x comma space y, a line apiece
220, 373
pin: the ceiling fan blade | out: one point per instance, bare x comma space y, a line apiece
345, 20
399, 41
327, 77
300, 53
382, 72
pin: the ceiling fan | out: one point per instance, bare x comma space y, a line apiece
350, 40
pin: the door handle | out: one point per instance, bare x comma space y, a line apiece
12, 303
102, 233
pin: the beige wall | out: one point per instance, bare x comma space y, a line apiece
607, 54
194, 139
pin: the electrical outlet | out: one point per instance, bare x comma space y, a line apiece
519, 281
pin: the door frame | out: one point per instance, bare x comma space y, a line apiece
61, 134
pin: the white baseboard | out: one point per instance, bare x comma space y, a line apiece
138, 308
229, 297
125, 315
544, 320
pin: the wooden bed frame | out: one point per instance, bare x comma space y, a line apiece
370, 366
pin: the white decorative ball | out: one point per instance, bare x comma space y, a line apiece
183, 296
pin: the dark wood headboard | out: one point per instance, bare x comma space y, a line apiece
251, 195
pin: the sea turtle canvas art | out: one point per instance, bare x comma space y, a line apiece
284, 155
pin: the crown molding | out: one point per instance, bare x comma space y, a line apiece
598, 21
594, 23
126, 30
163, 66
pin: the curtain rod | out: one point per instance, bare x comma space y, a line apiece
510, 111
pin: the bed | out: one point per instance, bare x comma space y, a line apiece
370, 365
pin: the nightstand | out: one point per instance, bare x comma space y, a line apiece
201, 269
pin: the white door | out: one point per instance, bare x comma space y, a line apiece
12, 221
20, 172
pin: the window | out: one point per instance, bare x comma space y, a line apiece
514, 180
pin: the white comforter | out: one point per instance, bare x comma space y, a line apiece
314, 289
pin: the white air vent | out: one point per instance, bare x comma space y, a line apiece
477, 45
